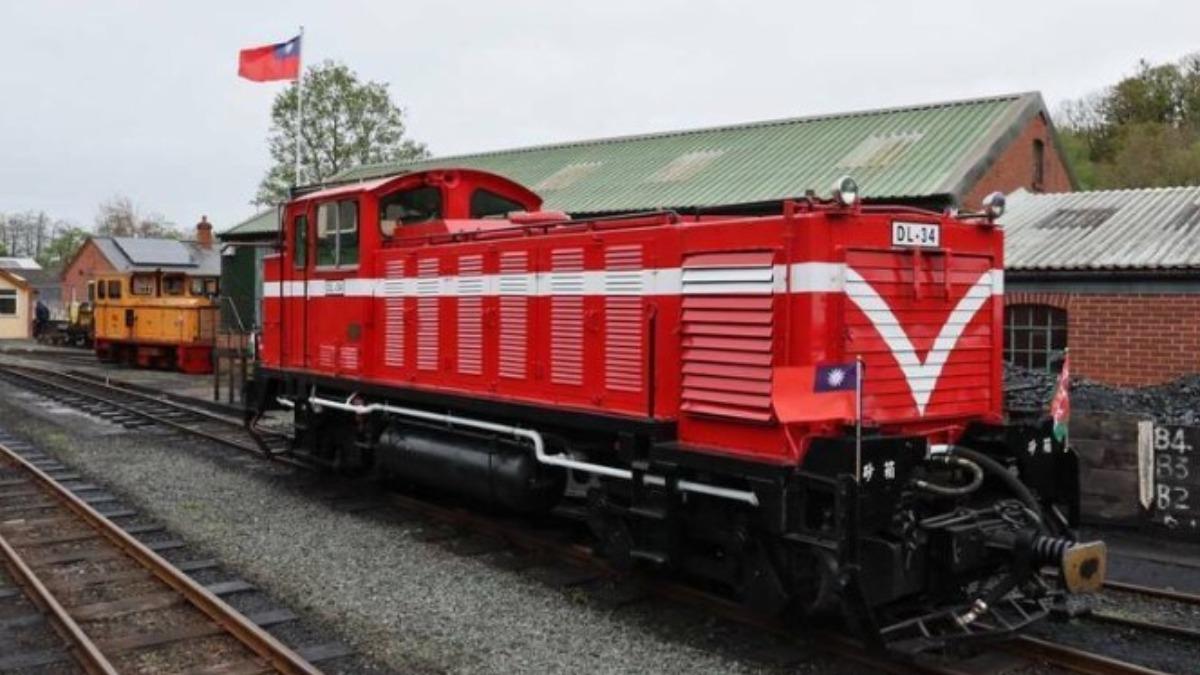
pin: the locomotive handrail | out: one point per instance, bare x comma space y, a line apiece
539, 446
517, 230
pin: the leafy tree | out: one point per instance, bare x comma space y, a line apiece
62, 246
118, 217
1143, 131
346, 123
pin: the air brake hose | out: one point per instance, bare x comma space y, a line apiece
997, 469
953, 490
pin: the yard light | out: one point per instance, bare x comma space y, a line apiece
845, 191
993, 205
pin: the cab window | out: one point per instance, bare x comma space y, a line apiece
337, 234
141, 284
409, 207
300, 239
100, 287
204, 286
91, 291
114, 289
488, 204
173, 285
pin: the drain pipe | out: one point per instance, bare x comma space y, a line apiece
539, 446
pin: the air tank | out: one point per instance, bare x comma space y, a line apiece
486, 469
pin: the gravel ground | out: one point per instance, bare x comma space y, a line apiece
409, 604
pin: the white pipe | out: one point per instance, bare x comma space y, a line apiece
285, 402
539, 447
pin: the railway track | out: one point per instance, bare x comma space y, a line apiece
116, 604
136, 409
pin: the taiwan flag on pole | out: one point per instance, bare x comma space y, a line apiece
824, 392
272, 62
1060, 406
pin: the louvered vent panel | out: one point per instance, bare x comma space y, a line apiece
348, 358
428, 292
393, 315
470, 314
910, 299
728, 325
327, 356
623, 318
515, 286
566, 288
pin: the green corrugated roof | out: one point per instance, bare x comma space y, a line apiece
266, 222
937, 149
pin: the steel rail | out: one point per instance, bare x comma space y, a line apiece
266, 646
1074, 659
132, 410
1151, 591
87, 655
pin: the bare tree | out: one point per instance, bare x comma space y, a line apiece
118, 217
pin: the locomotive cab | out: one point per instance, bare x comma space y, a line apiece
664, 373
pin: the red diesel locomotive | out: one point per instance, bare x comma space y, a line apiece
662, 369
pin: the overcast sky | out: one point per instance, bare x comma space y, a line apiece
143, 99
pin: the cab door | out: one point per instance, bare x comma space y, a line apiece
294, 290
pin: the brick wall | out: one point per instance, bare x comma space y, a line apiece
1014, 168
1133, 339
87, 264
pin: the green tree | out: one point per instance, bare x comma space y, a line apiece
346, 123
1143, 131
65, 242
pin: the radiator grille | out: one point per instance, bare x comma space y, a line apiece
393, 315
515, 286
428, 291
623, 318
470, 314
566, 286
728, 324
910, 318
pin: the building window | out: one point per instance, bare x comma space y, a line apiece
1039, 165
1035, 336
8, 302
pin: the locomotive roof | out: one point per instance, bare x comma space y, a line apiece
933, 151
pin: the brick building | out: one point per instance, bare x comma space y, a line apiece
104, 255
1114, 275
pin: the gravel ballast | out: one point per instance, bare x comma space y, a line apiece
409, 604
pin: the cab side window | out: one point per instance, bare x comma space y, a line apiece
337, 234
488, 204
409, 207
100, 287
173, 285
114, 289
141, 284
300, 238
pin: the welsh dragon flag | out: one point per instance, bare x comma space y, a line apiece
1060, 405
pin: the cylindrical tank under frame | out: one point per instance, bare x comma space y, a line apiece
484, 468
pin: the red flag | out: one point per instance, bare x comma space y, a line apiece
1060, 406
815, 393
272, 62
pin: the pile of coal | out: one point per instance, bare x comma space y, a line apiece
1176, 402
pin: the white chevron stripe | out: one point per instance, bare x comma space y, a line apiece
921, 376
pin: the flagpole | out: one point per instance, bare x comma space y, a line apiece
299, 99
858, 372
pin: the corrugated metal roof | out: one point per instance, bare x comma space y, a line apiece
1153, 228
11, 263
937, 149
263, 222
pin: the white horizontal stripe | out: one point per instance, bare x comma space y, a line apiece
807, 277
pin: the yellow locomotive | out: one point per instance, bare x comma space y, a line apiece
156, 319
